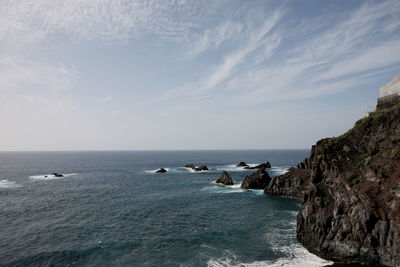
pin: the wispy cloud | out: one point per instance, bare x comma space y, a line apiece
106, 99
17, 72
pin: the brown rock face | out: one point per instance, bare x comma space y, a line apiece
351, 208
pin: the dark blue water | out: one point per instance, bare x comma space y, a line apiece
112, 210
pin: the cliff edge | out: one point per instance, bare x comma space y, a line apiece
351, 199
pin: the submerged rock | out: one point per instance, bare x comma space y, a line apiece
225, 179
161, 170
257, 180
242, 164
265, 165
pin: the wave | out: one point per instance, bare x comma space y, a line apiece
295, 255
226, 189
274, 171
45, 177
7, 184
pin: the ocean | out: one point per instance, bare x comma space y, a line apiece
112, 209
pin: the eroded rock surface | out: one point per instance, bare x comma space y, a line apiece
351, 208
225, 179
257, 180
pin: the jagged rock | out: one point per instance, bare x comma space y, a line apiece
161, 170
225, 179
242, 164
265, 165
257, 180
292, 184
57, 174
197, 169
201, 168
190, 166
350, 210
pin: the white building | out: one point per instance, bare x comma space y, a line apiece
391, 88
389, 94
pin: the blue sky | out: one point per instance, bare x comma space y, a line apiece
121, 75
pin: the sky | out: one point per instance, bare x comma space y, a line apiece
183, 74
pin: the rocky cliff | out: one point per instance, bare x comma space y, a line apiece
351, 193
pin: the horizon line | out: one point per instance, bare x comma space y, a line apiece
155, 150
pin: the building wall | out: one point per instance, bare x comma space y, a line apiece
391, 88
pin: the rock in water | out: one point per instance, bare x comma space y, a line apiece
265, 165
201, 168
257, 180
190, 166
161, 170
242, 164
225, 179
197, 169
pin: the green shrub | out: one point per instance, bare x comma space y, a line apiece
367, 160
346, 148
395, 152
355, 181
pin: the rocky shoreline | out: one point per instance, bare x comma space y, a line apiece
350, 186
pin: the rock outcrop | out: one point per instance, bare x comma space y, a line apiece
257, 180
225, 179
190, 166
351, 206
197, 169
265, 165
161, 170
291, 184
242, 164
201, 168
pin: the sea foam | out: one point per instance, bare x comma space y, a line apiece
45, 177
6, 184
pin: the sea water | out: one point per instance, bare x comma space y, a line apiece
112, 209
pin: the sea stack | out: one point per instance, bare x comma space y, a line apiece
225, 179
257, 180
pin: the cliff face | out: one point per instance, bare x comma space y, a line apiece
351, 202
292, 184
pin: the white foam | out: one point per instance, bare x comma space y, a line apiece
234, 167
6, 184
223, 189
283, 241
295, 256
45, 177
226, 189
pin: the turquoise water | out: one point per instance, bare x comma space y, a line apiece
111, 209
